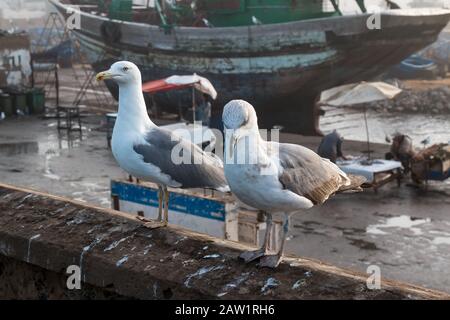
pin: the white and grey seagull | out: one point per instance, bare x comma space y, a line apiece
275, 177
147, 152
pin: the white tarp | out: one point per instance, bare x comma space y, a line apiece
358, 93
356, 167
200, 83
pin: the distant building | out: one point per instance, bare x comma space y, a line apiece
15, 67
22, 14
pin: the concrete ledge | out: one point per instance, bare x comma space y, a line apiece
122, 255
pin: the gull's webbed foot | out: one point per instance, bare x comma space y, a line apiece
249, 256
270, 261
156, 224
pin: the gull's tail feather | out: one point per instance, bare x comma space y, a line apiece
355, 184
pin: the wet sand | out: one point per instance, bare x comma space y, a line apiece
405, 231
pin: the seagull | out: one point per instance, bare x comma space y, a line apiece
151, 153
426, 141
256, 21
275, 177
207, 23
387, 138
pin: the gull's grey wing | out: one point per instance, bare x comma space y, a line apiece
158, 151
307, 174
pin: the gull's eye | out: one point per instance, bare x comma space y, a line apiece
125, 69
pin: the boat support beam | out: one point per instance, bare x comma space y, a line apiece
361, 5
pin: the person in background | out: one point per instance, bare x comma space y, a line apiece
402, 150
331, 147
203, 110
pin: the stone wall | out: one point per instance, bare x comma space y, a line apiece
122, 257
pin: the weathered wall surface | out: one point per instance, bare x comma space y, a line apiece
41, 235
21, 280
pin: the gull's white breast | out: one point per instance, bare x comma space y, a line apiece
122, 145
256, 183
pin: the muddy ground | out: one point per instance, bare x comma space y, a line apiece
405, 231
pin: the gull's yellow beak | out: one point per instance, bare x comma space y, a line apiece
103, 75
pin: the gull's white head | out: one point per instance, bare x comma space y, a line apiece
122, 72
132, 107
239, 114
240, 118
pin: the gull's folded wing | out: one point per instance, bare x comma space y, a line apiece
307, 174
165, 151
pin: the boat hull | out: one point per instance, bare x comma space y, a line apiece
279, 68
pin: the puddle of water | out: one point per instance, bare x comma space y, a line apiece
441, 240
16, 148
400, 222
53, 145
48, 173
55, 142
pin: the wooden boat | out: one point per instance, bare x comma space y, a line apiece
280, 66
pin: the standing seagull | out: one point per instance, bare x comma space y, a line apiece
275, 177
151, 153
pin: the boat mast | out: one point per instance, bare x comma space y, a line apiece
336, 6
160, 8
361, 5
